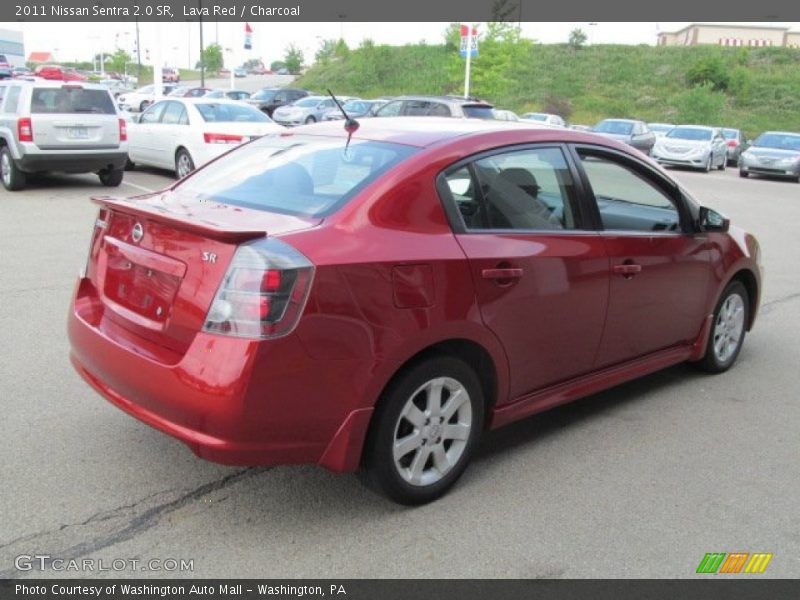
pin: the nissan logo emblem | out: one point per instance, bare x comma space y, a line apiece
137, 232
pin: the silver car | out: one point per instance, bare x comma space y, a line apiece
695, 146
71, 127
306, 110
775, 153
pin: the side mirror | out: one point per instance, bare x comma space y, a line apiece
711, 220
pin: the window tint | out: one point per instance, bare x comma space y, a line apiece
416, 108
524, 189
172, 113
782, 141
71, 100
614, 127
627, 201
438, 110
478, 112
12, 99
690, 133
392, 109
153, 114
231, 113
298, 175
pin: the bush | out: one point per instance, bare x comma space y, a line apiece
709, 70
700, 105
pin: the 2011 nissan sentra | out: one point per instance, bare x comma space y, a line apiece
378, 302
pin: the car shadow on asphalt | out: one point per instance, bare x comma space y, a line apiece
536, 428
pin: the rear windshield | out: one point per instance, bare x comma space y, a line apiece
690, 133
71, 100
297, 175
614, 127
230, 113
479, 112
730, 134
264, 95
536, 117
778, 140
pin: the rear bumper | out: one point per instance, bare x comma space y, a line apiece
83, 162
231, 400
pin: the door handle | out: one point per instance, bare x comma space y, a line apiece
627, 270
502, 274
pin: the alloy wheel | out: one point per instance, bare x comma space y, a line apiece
432, 431
185, 165
5, 169
728, 328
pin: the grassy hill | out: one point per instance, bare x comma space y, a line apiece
751, 88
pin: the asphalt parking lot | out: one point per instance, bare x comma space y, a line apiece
639, 481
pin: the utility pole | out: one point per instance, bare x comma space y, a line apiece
202, 60
138, 54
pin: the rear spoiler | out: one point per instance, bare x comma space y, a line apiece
225, 233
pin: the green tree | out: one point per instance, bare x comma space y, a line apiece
277, 65
118, 61
293, 59
326, 51
577, 38
212, 58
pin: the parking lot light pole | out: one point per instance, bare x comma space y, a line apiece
202, 58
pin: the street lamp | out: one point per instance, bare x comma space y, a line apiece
591, 33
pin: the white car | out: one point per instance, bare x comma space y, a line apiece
138, 100
545, 119
181, 134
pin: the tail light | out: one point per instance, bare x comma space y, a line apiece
263, 292
222, 138
731, 143
123, 131
100, 226
25, 130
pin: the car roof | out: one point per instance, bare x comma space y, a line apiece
422, 132
50, 83
445, 99
781, 133
622, 120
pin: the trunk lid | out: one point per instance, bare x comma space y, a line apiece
156, 262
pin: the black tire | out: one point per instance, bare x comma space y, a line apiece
111, 177
143, 106
129, 165
310, 119
711, 362
184, 164
743, 173
13, 179
379, 470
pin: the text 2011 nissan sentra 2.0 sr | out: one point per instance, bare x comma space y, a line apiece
377, 304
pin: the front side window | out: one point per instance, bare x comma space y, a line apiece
626, 200
528, 189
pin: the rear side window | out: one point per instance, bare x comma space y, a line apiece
71, 100
12, 99
626, 200
230, 113
523, 190
297, 175
174, 114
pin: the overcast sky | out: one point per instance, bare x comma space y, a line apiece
180, 41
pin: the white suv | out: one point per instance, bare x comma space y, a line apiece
71, 127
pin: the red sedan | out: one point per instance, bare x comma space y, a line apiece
378, 302
59, 73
